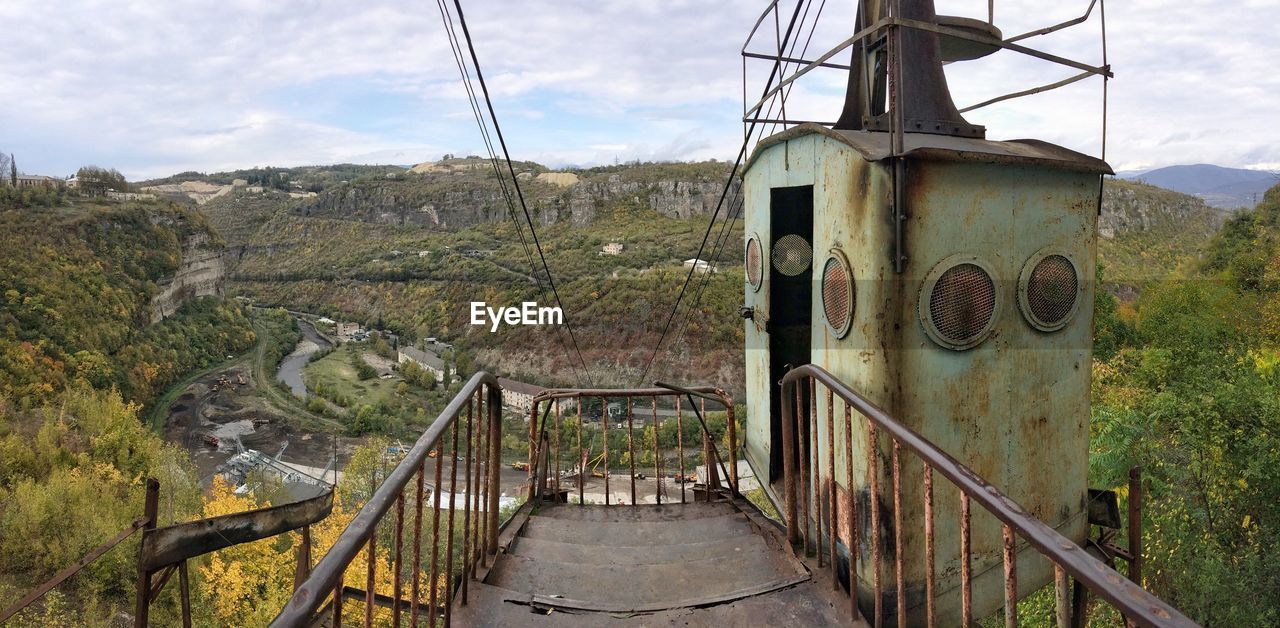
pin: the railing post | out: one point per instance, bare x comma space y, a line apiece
1135, 525
184, 585
150, 507
788, 461
304, 559
495, 467
533, 443
733, 449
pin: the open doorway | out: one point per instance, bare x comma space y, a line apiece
790, 300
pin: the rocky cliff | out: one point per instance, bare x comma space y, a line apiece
201, 272
458, 195
1131, 207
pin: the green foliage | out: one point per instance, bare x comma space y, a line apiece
282, 333
363, 370
1111, 331
1193, 400
75, 290
70, 479
12, 197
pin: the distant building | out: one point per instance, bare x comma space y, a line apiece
518, 395
424, 253
700, 265
35, 181
347, 331
429, 361
130, 196
612, 248
325, 320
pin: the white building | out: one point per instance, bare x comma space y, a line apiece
701, 265
518, 395
612, 248
426, 359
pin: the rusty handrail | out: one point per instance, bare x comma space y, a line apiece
162, 547
327, 576
541, 446
1134, 602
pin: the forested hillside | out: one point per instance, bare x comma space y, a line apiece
76, 282
1187, 386
79, 357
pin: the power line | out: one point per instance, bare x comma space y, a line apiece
719, 204
515, 182
455, 48
728, 226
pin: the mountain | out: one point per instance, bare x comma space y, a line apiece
1218, 186
1146, 232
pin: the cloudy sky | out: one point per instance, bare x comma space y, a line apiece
154, 87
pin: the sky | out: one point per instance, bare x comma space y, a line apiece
156, 87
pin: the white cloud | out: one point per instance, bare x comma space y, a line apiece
158, 87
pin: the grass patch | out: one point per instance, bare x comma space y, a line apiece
336, 372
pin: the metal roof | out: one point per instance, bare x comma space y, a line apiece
875, 146
519, 387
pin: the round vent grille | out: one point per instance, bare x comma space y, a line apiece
754, 266
960, 305
837, 294
791, 255
1048, 291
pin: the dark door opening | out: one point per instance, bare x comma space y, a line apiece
790, 298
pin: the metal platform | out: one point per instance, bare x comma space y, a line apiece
677, 564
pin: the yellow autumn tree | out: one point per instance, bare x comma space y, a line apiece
247, 584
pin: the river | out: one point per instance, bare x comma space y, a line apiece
291, 366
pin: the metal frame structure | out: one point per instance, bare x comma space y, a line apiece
885, 29
886, 34
545, 480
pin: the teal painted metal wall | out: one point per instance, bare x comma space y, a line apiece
1015, 408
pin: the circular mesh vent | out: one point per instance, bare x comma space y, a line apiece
837, 295
962, 305
791, 255
754, 266
1051, 291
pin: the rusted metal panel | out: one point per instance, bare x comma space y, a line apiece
1018, 398
168, 546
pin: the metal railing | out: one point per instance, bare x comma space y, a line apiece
812, 514
165, 551
546, 449
473, 417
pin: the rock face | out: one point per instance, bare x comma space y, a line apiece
201, 273
1131, 207
455, 199
669, 197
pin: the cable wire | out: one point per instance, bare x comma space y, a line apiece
775, 72
456, 49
